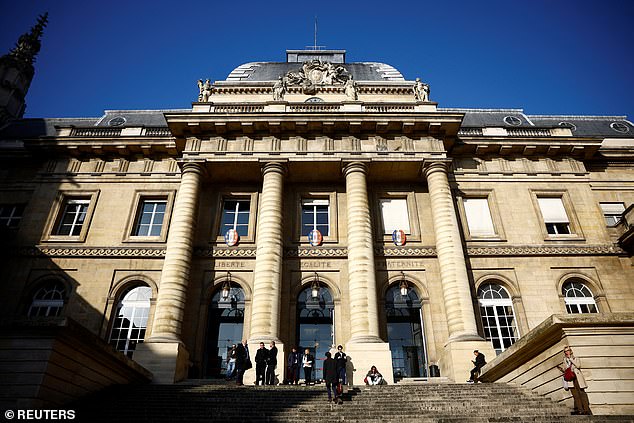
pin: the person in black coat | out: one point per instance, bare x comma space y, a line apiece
242, 356
294, 359
331, 378
479, 363
261, 357
342, 359
271, 364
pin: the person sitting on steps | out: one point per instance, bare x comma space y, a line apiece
373, 377
479, 363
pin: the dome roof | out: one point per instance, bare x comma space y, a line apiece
271, 71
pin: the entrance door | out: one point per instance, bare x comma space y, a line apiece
315, 326
405, 334
224, 328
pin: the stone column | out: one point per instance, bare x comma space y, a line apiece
463, 333
170, 303
364, 320
163, 353
453, 269
267, 276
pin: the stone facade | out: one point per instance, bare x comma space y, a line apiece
351, 155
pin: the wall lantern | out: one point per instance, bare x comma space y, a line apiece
226, 287
314, 287
403, 285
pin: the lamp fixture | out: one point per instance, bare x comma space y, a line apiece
403, 285
226, 287
314, 287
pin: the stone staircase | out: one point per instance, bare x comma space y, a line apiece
440, 403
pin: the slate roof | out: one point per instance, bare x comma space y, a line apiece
582, 126
271, 71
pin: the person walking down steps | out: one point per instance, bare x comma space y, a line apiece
331, 379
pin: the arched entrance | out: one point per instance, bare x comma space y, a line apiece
405, 333
315, 329
224, 328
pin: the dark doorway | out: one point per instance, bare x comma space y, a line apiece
315, 325
405, 333
224, 328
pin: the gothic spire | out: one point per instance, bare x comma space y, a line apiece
29, 44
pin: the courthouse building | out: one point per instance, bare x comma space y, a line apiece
315, 202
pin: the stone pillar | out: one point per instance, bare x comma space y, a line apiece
365, 348
267, 276
164, 354
364, 319
463, 331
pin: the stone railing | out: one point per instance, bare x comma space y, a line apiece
603, 342
388, 108
468, 132
96, 132
314, 107
526, 132
239, 108
157, 132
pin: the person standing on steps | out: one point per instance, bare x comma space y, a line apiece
575, 382
479, 363
308, 361
293, 366
242, 362
231, 363
331, 378
261, 357
271, 364
342, 360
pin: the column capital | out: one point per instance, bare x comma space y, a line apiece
192, 166
278, 166
355, 166
435, 165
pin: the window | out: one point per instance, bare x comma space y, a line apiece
498, 319
131, 319
150, 218
73, 217
612, 212
395, 215
11, 214
578, 298
478, 217
555, 217
235, 215
48, 301
315, 215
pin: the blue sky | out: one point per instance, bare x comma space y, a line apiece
545, 56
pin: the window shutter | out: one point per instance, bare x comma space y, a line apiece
395, 215
479, 217
553, 210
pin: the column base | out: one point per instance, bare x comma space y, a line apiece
168, 361
362, 356
280, 370
455, 361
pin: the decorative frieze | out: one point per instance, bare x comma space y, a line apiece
591, 250
92, 252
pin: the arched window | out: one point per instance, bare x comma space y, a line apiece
48, 301
578, 298
131, 318
405, 332
498, 318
